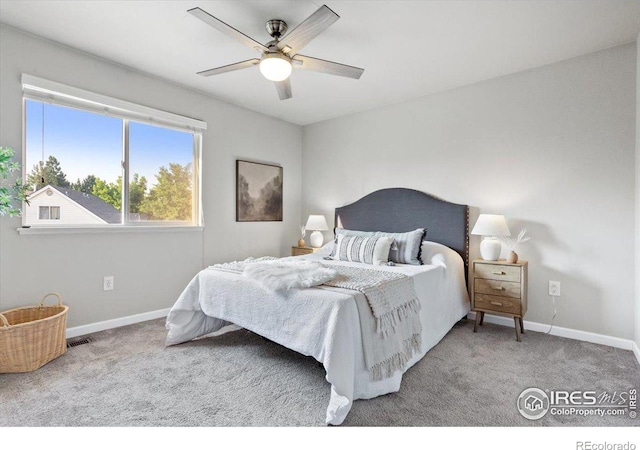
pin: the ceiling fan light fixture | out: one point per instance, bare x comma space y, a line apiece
275, 67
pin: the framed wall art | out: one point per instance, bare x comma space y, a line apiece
258, 192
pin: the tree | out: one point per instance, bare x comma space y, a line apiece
137, 192
16, 192
109, 192
272, 195
85, 185
246, 204
170, 198
47, 173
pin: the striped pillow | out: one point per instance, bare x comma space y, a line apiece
365, 249
407, 246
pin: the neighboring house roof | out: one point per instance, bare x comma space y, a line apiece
90, 202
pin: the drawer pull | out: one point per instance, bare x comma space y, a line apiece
496, 303
499, 273
501, 288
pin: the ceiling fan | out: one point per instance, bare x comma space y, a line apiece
280, 55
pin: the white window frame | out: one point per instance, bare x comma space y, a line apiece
47, 91
42, 209
49, 209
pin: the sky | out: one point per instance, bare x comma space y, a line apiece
91, 144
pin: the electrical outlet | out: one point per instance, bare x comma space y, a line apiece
554, 288
107, 283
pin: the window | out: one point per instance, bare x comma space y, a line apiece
107, 162
49, 213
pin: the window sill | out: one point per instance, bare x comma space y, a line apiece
110, 229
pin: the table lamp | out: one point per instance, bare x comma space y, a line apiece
317, 223
490, 226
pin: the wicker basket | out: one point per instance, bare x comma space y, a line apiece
31, 337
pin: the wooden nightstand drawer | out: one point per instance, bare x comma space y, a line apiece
494, 287
499, 287
501, 272
498, 304
298, 251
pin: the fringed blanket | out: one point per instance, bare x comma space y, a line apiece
388, 310
391, 295
390, 324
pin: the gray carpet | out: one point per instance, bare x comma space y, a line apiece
126, 377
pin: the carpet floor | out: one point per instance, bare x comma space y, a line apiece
126, 377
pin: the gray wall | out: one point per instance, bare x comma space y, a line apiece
150, 269
637, 336
551, 148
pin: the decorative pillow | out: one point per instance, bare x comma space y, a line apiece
365, 249
327, 249
407, 247
342, 231
434, 253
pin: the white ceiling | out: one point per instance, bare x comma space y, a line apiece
408, 48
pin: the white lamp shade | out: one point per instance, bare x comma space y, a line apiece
275, 67
491, 225
316, 223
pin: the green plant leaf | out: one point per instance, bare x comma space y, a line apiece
16, 192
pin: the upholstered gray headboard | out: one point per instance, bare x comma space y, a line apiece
397, 210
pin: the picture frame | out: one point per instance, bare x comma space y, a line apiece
259, 192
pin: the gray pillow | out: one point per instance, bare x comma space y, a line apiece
405, 249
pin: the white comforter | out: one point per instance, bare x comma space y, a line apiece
321, 322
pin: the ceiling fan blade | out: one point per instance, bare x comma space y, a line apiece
284, 89
311, 27
321, 65
226, 29
230, 67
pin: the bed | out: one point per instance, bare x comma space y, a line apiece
323, 321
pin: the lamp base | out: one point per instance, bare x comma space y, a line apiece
490, 248
316, 239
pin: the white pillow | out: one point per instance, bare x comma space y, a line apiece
365, 249
405, 248
342, 231
326, 249
437, 254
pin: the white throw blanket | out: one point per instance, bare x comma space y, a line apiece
389, 320
389, 294
390, 323
277, 275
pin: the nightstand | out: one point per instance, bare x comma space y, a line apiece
297, 251
499, 288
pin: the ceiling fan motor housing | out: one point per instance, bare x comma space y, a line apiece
276, 28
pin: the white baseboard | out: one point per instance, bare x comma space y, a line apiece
636, 351
626, 344
115, 323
